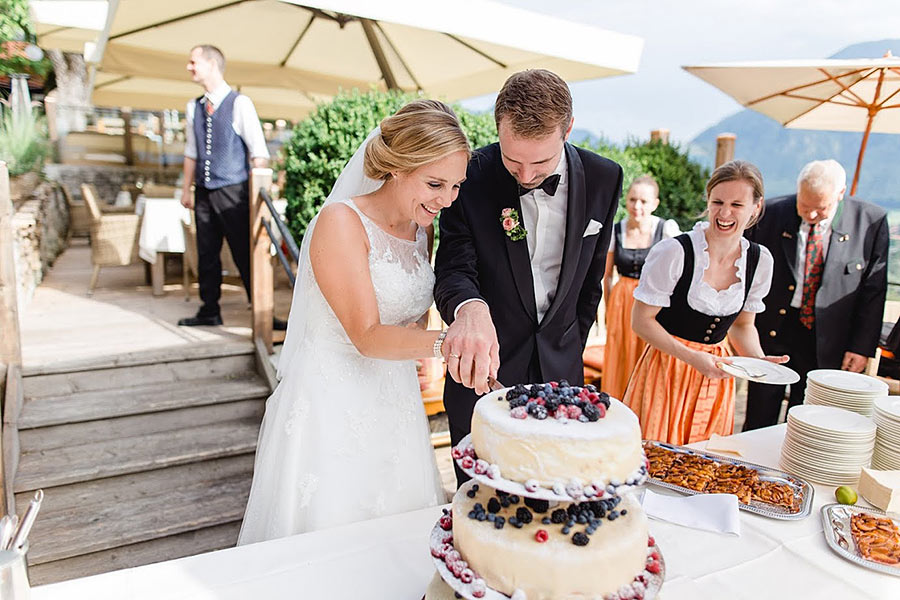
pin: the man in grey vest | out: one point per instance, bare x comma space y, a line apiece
223, 137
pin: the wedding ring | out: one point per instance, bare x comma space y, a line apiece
451, 355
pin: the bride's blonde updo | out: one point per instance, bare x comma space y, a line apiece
421, 132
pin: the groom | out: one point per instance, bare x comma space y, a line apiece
523, 250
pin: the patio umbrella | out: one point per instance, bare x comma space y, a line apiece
150, 93
316, 48
830, 94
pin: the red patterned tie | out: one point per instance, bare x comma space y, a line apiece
812, 276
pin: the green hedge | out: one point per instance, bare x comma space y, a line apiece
323, 143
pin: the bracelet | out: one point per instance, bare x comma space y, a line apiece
438, 344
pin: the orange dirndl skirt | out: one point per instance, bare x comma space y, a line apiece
623, 346
674, 402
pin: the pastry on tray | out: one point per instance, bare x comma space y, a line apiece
876, 538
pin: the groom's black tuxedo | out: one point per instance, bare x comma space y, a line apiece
476, 259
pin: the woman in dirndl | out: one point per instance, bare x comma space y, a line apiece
699, 292
632, 239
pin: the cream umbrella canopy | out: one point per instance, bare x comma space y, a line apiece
148, 93
831, 94
447, 50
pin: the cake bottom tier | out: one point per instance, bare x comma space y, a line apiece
550, 561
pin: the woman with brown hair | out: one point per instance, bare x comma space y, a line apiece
694, 290
632, 239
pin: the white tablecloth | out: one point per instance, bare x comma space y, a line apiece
389, 558
161, 227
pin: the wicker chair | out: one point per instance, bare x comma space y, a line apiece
79, 217
114, 237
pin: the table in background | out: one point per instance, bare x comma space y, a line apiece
161, 231
389, 558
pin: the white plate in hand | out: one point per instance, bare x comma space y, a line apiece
759, 370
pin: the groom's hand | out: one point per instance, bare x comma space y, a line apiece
471, 348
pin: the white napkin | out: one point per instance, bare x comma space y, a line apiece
730, 444
711, 512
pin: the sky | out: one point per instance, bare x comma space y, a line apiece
689, 32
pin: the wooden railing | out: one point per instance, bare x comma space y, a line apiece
10, 351
264, 221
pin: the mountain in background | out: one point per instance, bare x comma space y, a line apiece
780, 153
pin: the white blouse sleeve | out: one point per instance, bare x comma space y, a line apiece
670, 229
661, 272
762, 281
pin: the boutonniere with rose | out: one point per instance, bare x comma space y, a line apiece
509, 218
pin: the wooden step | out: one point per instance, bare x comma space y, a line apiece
186, 352
100, 515
63, 384
108, 458
43, 439
191, 543
139, 399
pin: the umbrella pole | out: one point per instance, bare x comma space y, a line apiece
862, 151
873, 110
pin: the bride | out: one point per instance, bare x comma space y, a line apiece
344, 437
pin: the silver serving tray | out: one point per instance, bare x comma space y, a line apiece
803, 491
836, 527
654, 580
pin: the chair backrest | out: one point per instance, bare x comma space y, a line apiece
89, 193
70, 202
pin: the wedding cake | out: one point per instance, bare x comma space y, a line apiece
547, 515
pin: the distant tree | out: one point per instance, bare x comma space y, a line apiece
15, 31
682, 181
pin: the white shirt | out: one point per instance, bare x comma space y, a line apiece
544, 218
244, 121
800, 267
665, 263
670, 230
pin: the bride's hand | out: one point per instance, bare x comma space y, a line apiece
778, 360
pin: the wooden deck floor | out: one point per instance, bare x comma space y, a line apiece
62, 323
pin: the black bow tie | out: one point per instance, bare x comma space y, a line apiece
549, 186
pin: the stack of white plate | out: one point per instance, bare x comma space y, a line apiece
842, 389
827, 445
886, 455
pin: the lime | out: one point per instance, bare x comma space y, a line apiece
846, 495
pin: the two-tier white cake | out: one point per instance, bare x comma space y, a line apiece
564, 442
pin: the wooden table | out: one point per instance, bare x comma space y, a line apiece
161, 232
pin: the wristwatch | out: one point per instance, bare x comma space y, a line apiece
438, 344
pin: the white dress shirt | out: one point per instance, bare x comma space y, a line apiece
664, 266
544, 218
244, 121
800, 267
670, 230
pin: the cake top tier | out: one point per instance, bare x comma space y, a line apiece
565, 412
590, 443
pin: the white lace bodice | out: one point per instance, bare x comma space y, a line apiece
401, 276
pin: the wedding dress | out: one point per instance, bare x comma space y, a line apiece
345, 437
